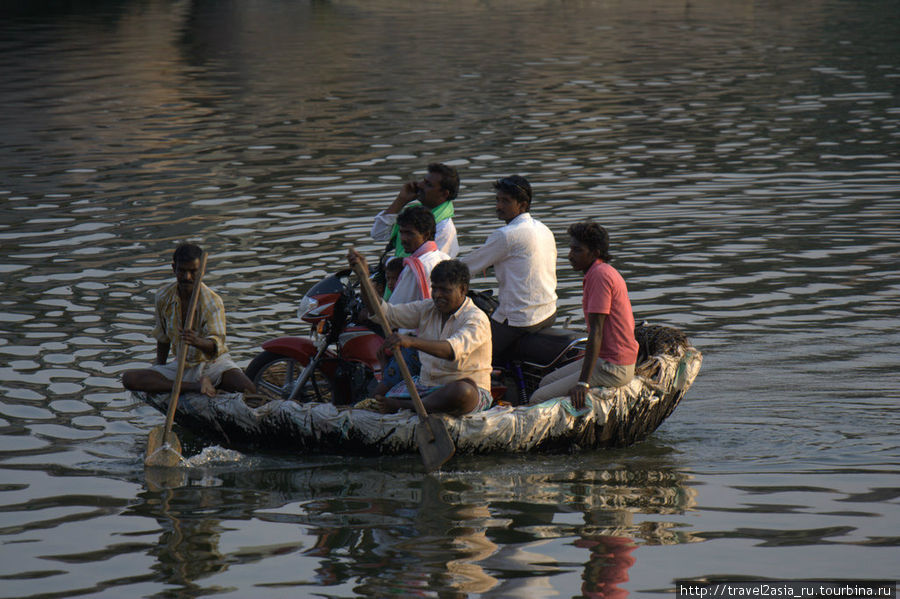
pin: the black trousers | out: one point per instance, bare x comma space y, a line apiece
504, 336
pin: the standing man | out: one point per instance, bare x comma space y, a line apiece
208, 366
436, 192
611, 348
454, 342
523, 254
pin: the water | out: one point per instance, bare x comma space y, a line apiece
744, 157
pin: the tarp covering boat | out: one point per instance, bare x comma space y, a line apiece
611, 417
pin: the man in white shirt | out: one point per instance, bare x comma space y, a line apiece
454, 342
435, 192
416, 230
523, 254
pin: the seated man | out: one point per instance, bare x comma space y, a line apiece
454, 344
436, 192
523, 254
611, 348
208, 366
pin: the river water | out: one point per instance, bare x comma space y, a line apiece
743, 155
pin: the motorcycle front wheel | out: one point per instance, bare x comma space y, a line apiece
274, 376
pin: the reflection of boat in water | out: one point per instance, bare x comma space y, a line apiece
613, 417
492, 526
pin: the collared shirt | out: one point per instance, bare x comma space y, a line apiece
407, 288
468, 330
444, 232
210, 316
605, 292
523, 254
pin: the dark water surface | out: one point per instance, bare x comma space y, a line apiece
743, 155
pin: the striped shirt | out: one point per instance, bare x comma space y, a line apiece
210, 319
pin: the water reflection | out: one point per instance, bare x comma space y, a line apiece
388, 531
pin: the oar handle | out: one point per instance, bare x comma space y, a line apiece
182, 349
375, 302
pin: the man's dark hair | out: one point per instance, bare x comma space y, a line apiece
186, 252
453, 272
419, 218
593, 237
516, 187
449, 178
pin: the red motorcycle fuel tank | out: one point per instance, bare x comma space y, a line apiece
360, 343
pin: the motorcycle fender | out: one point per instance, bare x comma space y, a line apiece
301, 349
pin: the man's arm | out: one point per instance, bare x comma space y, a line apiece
435, 347
384, 221
162, 352
578, 393
493, 250
211, 323
401, 315
407, 194
205, 344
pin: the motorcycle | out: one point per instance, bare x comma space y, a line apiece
338, 362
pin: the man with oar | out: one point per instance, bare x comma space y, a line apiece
454, 343
208, 365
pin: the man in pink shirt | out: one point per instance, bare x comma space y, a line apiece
611, 348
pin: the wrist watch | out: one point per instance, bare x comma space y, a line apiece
583, 384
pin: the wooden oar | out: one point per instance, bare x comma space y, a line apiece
163, 446
432, 437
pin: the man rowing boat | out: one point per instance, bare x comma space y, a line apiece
453, 341
208, 365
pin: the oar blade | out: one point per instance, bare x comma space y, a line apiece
434, 442
162, 451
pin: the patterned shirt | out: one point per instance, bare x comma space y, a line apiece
210, 319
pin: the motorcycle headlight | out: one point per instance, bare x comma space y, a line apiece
307, 305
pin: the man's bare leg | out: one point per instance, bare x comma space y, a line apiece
236, 380
456, 398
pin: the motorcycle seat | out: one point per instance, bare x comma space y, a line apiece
546, 346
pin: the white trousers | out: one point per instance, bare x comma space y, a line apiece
214, 370
559, 382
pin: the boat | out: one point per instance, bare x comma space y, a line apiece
612, 417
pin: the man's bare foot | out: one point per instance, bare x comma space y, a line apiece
206, 387
383, 406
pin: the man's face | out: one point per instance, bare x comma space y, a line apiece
186, 272
508, 207
410, 238
431, 194
580, 257
447, 297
